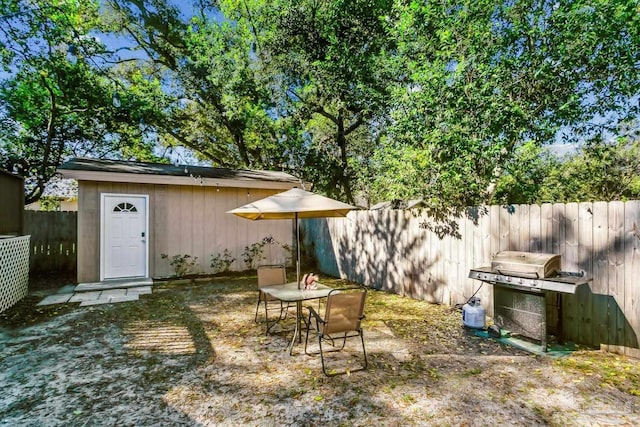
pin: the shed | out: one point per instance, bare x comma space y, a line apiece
12, 196
131, 213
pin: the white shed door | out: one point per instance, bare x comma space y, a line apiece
124, 248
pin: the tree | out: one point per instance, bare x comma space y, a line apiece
293, 85
603, 170
527, 175
327, 61
221, 109
58, 101
600, 170
373, 98
477, 80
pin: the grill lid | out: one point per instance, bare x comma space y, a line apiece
526, 264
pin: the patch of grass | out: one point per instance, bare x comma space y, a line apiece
408, 399
26, 312
434, 374
415, 366
612, 370
471, 372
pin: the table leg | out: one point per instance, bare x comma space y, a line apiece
297, 333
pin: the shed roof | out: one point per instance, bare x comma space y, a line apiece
157, 173
9, 174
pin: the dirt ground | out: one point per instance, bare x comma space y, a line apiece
192, 355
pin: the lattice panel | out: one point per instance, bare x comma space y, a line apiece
14, 270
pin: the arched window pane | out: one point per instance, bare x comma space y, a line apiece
125, 207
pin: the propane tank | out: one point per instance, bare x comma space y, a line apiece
473, 314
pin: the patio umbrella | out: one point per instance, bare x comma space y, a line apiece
293, 204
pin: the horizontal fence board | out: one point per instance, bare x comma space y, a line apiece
412, 254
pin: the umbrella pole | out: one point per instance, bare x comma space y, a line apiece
297, 249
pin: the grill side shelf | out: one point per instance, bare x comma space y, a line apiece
564, 284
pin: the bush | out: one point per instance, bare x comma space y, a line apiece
220, 263
182, 264
253, 254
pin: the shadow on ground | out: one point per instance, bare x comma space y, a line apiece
192, 355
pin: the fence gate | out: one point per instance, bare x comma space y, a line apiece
53, 240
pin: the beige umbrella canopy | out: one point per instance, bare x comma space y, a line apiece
293, 204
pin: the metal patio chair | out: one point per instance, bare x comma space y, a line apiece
269, 275
343, 314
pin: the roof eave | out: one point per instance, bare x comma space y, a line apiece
81, 175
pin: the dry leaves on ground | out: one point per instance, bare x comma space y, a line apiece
192, 355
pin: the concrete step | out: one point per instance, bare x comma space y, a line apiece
113, 284
100, 296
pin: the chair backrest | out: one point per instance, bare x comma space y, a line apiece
271, 275
344, 310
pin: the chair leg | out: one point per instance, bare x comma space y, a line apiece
307, 321
333, 342
306, 339
271, 323
344, 341
324, 370
260, 300
284, 310
363, 349
266, 316
255, 318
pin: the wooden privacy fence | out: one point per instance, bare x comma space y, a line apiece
410, 254
53, 240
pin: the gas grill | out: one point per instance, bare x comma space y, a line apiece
524, 281
529, 271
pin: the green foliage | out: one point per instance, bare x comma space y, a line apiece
221, 262
58, 100
599, 171
526, 174
49, 203
253, 254
221, 109
290, 251
326, 63
602, 170
182, 264
369, 99
478, 80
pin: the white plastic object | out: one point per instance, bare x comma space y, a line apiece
473, 314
